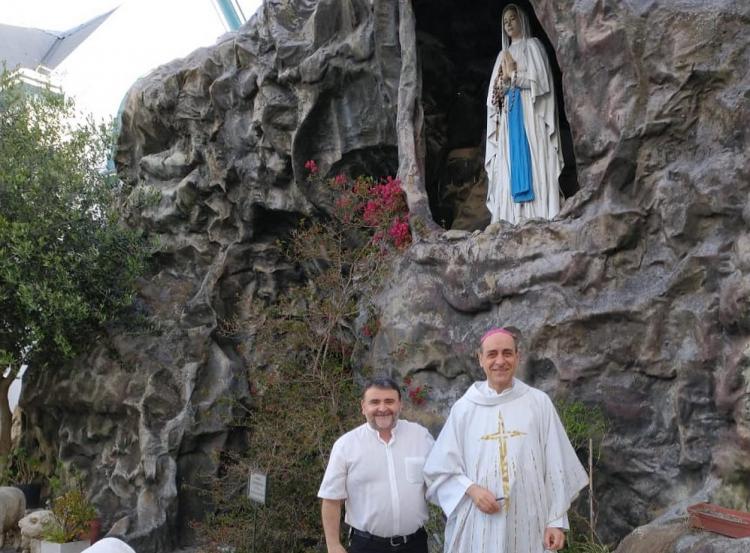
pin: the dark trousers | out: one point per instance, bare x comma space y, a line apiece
359, 544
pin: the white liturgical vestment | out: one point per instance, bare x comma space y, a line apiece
513, 444
382, 482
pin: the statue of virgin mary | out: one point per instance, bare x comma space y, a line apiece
523, 157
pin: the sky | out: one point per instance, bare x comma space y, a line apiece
60, 15
139, 36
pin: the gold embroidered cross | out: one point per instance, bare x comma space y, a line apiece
502, 437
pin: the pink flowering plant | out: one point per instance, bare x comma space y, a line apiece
377, 207
418, 394
301, 349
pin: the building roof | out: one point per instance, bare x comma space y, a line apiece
30, 48
20, 46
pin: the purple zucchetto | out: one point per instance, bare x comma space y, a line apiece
497, 330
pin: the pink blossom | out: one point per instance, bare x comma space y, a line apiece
389, 193
417, 395
399, 231
339, 180
311, 166
371, 213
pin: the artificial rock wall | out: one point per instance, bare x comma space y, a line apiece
634, 298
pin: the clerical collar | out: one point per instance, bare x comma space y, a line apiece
488, 390
479, 393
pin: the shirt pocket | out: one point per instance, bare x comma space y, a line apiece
414, 467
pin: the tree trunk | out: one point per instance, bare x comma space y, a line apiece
6, 417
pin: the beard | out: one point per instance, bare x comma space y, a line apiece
392, 418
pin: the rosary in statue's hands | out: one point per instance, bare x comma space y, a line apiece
505, 79
507, 66
484, 499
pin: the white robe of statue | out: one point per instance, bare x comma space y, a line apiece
534, 78
514, 445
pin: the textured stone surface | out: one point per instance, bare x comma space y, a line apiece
634, 298
677, 537
672, 533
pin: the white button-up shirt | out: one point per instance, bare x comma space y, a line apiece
382, 482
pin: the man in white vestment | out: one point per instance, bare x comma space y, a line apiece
376, 470
503, 469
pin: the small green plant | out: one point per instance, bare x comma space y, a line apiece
20, 467
586, 547
582, 424
65, 478
586, 427
580, 540
435, 528
72, 513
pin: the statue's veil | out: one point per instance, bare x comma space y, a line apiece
522, 18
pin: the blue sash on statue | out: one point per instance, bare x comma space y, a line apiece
518, 144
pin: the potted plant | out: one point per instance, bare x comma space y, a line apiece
22, 470
68, 531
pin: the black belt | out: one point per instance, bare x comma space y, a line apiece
394, 541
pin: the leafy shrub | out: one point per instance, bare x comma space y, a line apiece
586, 427
73, 513
20, 467
300, 352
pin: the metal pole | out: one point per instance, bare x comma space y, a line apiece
591, 488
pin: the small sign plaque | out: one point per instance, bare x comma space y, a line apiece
256, 487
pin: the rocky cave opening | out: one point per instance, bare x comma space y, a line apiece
458, 43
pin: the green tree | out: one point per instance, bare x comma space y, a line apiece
67, 264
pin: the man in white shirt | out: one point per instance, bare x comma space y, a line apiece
503, 469
376, 471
